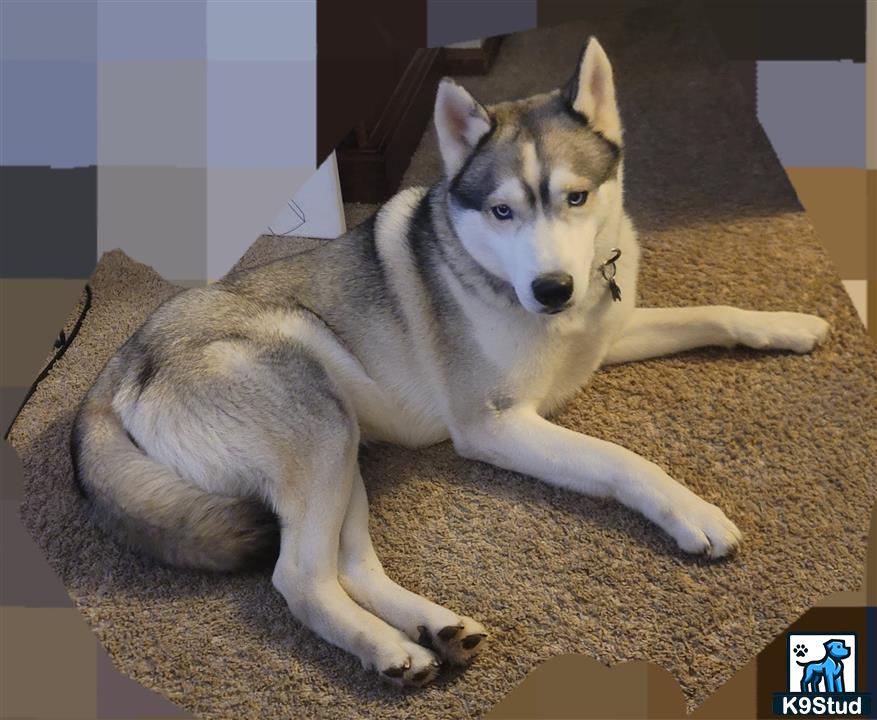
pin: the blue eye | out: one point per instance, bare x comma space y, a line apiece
577, 198
501, 212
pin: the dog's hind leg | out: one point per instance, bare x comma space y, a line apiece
457, 637
306, 573
653, 332
311, 450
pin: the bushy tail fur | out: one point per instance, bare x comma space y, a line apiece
147, 505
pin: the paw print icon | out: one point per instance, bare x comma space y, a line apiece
800, 650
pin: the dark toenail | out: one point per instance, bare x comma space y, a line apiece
394, 672
425, 638
471, 641
446, 633
422, 675
436, 663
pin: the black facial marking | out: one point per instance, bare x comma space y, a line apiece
469, 195
545, 193
432, 249
561, 136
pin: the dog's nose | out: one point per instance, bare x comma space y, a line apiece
552, 289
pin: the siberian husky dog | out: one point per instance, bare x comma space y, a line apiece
229, 423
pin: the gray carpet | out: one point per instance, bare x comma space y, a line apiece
786, 445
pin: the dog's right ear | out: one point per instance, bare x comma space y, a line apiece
461, 121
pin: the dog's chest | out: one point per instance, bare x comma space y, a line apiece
543, 364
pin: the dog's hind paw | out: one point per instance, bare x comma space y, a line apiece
458, 643
419, 667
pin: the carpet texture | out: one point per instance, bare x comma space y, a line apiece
785, 445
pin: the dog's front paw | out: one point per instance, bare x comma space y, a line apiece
793, 331
458, 643
702, 529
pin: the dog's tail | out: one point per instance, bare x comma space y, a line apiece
804, 664
150, 508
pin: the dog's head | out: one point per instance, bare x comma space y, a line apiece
837, 649
532, 182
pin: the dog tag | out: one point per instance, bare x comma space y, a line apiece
608, 270
615, 290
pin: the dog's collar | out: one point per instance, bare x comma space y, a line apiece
608, 270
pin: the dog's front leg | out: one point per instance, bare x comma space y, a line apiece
519, 439
652, 332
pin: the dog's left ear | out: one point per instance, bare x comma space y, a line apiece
591, 92
461, 121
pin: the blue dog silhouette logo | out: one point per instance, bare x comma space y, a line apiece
822, 677
827, 672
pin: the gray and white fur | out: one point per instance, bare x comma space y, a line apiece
228, 425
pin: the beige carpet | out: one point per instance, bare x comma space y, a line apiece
786, 445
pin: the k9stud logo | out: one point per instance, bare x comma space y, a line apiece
822, 677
